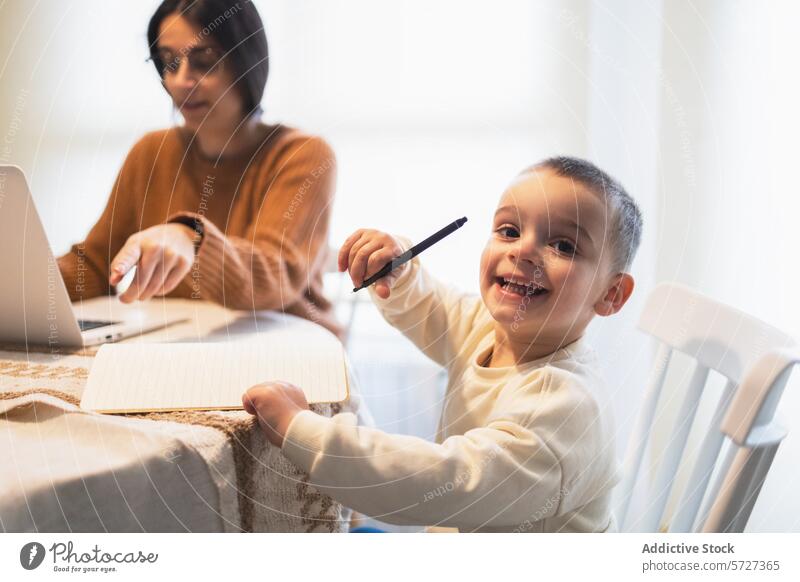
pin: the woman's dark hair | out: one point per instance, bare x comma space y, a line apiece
237, 28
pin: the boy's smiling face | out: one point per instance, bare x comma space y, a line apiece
546, 270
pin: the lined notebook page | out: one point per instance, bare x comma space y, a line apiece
172, 376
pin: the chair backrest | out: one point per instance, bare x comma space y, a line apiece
756, 359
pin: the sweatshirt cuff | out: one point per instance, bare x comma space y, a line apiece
303, 440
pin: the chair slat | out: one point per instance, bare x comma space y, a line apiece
670, 461
741, 486
694, 492
724, 466
641, 432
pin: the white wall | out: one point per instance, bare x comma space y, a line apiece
76, 84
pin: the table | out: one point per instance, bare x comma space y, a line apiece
65, 469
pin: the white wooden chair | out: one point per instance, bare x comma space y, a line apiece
756, 359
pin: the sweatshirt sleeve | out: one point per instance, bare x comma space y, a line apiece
270, 266
436, 317
490, 476
496, 475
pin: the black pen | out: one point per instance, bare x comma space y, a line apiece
413, 252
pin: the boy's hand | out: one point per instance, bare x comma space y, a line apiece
365, 252
275, 404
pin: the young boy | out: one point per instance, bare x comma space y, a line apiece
523, 443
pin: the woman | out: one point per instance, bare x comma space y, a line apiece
223, 208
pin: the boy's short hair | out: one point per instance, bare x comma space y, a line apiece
625, 226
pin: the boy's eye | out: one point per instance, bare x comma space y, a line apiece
564, 246
508, 231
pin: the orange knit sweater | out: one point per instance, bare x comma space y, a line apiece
265, 215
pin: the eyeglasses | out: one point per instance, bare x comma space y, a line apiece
202, 61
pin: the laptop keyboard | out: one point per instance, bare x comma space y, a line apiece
87, 324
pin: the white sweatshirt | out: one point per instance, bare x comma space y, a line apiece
523, 448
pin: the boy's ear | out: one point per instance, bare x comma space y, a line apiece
616, 295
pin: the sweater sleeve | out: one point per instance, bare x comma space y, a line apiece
493, 476
436, 317
285, 243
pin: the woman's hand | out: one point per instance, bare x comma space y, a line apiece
274, 404
365, 252
165, 254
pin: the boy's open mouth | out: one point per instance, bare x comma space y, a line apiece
521, 289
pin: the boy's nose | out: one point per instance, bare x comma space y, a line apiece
526, 250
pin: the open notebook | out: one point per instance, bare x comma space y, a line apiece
141, 377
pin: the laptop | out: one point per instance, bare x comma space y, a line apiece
35, 308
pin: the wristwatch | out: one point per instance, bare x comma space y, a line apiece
196, 225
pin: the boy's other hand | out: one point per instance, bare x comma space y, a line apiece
365, 252
274, 404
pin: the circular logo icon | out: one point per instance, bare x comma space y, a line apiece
31, 555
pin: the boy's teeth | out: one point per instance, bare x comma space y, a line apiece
521, 289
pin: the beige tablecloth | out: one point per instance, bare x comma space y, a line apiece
67, 469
